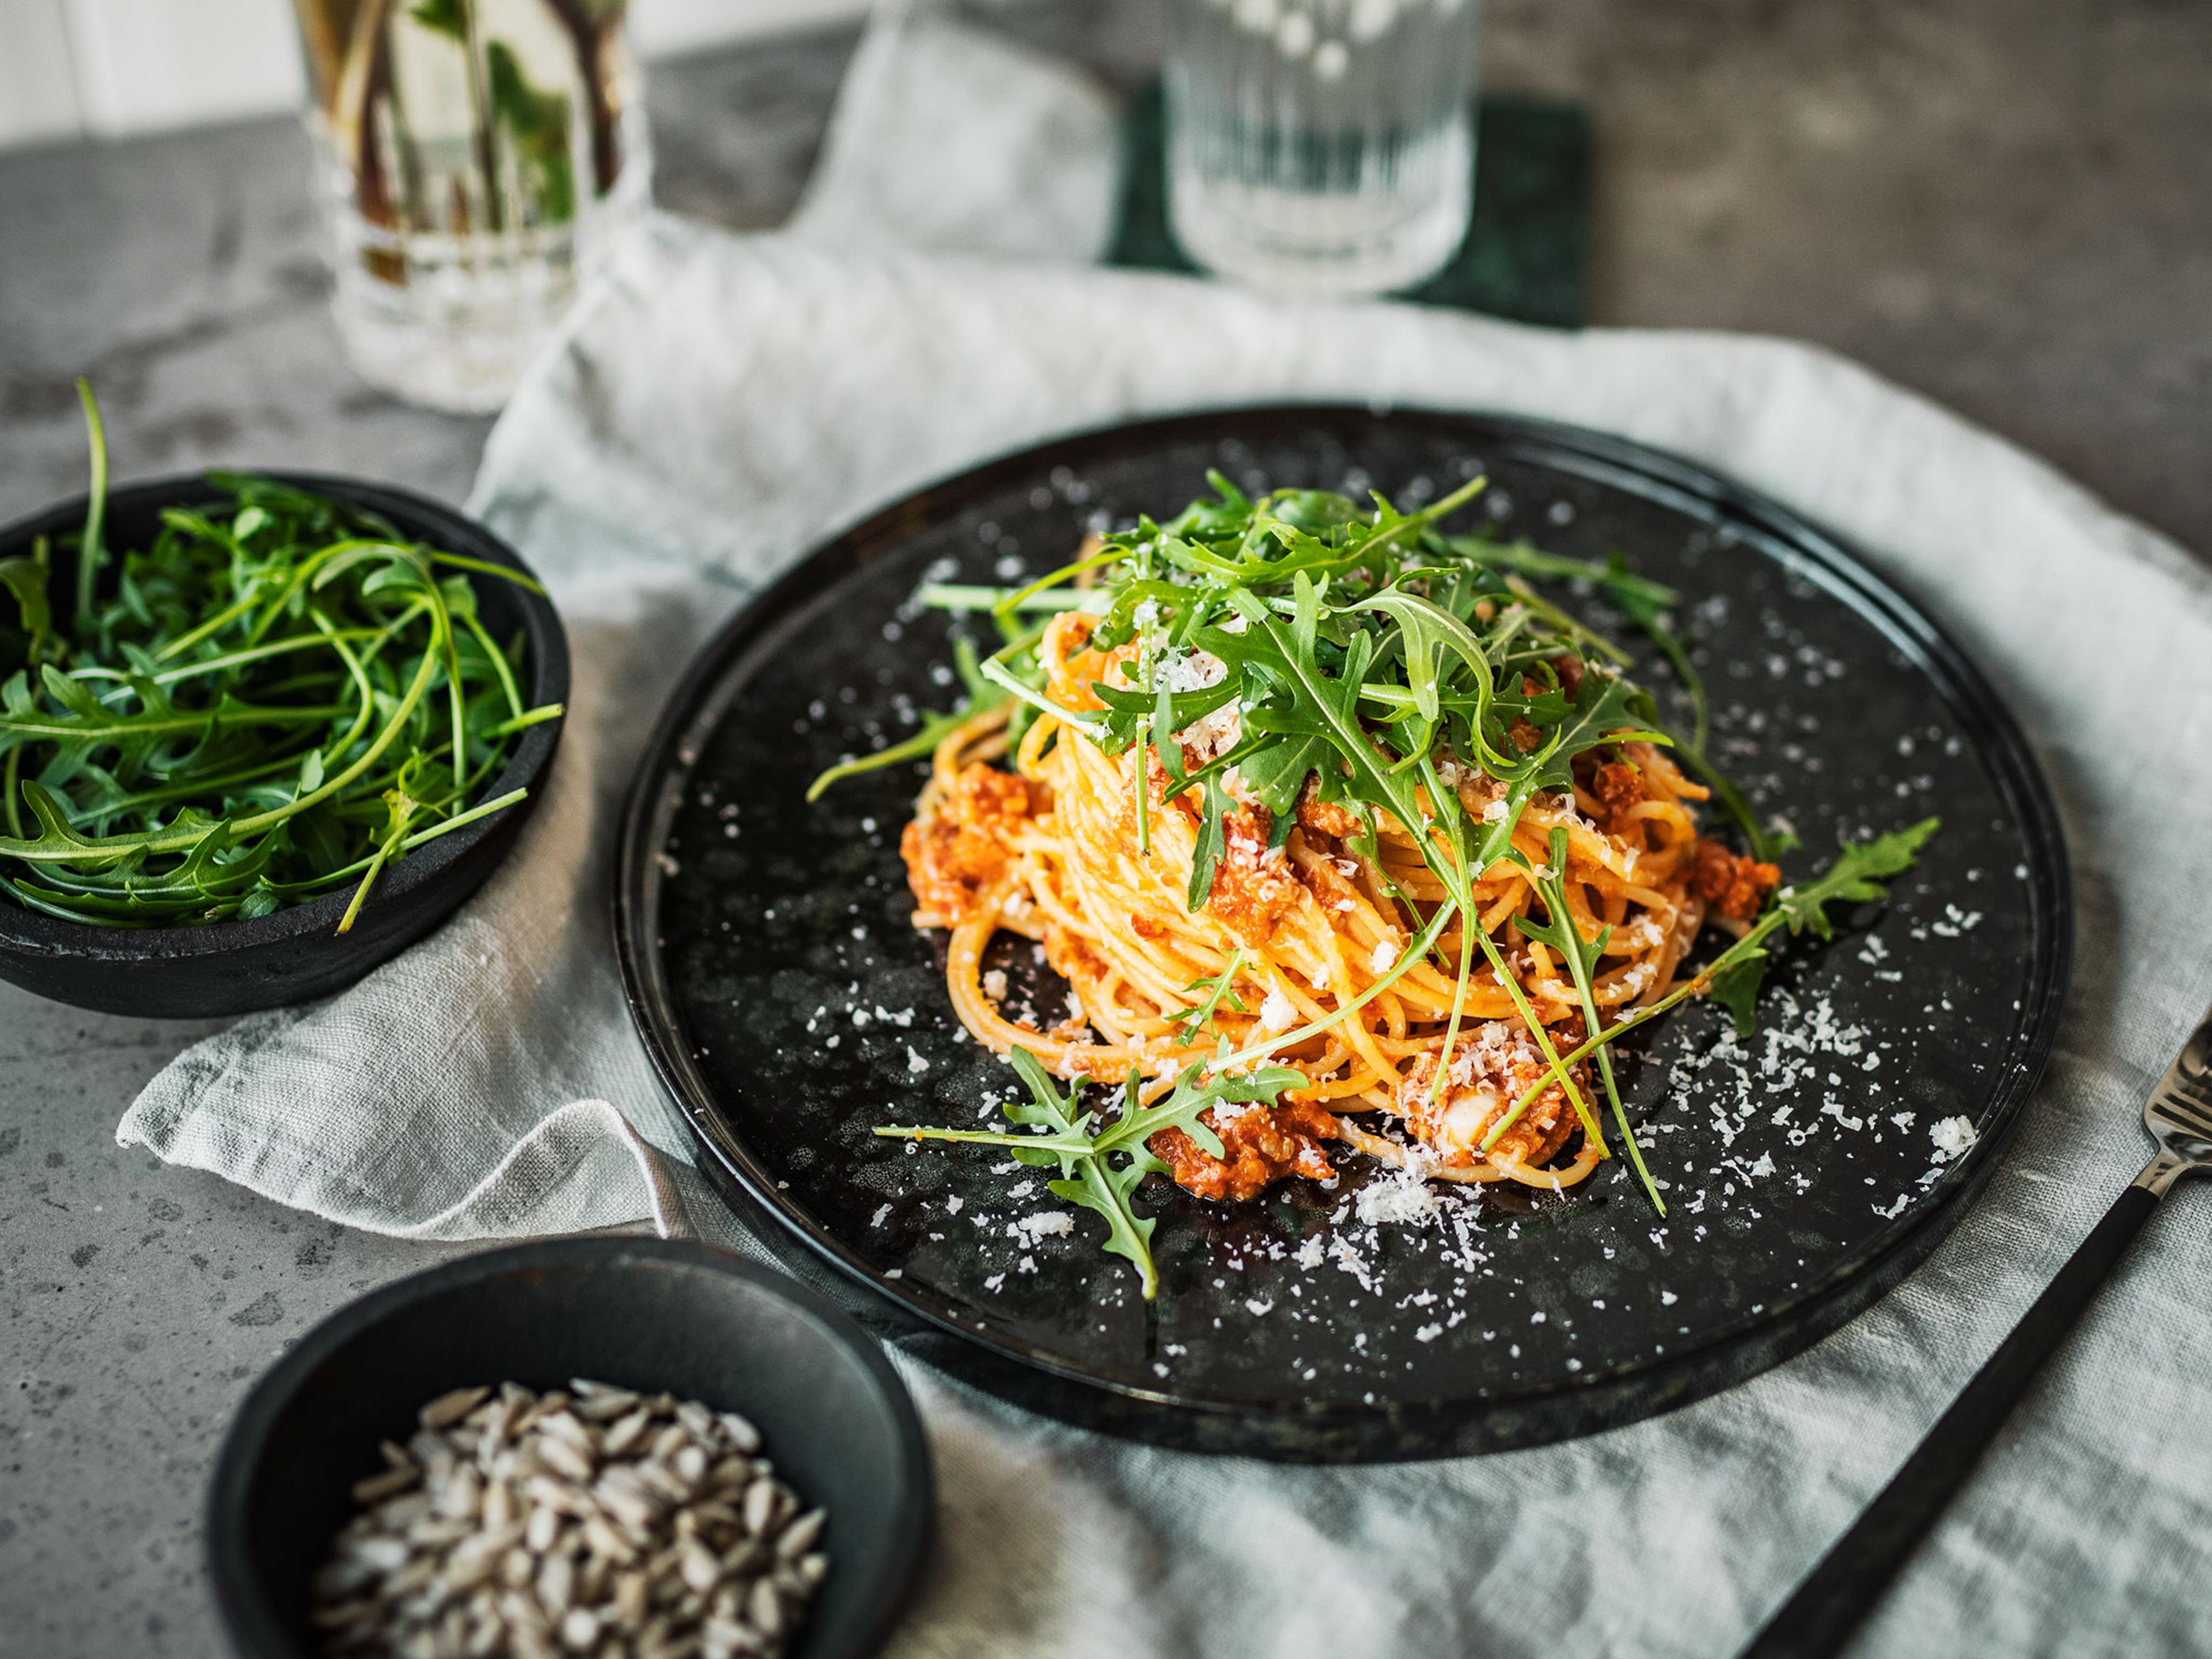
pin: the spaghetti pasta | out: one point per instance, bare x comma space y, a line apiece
1126, 805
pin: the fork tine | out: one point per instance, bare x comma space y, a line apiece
2176, 1104
2164, 1112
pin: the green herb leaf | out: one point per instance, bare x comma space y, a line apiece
1101, 1168
1205, 856
1192, 1021
1737, 988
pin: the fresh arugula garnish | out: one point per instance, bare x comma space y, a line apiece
279, 695
1560, 933
1102, 1163
1219, 996
981, 695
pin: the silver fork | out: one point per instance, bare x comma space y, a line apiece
2179, 1114
1836, 1595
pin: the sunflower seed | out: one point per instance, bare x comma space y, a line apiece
731, 1472
697, 1566
397, 1514
765, 1609
380, 1554
625, 1433
603, 1540
564, 1458
448, 1409
486, 1635
459, 1494
557, 1581
664, 1481
743, 1435
544, 1493
724, 1638
599, 1403
705, 1428
498, 1418
344, 1613
389, 1484
567, 1425
759, 1504
542, 1528
714, 1515
798, 1537
579, 1628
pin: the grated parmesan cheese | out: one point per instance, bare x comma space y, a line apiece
1953, 1136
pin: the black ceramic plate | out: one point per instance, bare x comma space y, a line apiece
790, 1007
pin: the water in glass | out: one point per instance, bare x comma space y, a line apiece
1321, 145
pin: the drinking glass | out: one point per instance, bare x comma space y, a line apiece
1321, 145
478, 158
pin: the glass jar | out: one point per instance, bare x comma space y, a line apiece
478, 158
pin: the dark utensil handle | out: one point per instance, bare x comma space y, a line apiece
1819, 1619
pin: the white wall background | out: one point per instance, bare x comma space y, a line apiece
108, 68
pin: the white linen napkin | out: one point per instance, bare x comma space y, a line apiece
719, 405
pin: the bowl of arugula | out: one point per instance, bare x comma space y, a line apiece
259, 733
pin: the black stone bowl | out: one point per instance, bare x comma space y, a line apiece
296, 954
642, 1313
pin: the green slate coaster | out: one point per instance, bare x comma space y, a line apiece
1527, 253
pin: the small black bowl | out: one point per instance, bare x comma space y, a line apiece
296, 954
642, 1313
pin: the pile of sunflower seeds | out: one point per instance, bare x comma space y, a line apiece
597, 1523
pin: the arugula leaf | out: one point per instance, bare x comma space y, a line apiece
1192, 1021
1737, 988
1582, 956
1100, 1169
1855, 878
1205, 855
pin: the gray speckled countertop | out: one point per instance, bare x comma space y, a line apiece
2012, 215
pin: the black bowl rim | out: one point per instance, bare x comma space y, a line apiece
1772, 1335
34, 932
238, 1590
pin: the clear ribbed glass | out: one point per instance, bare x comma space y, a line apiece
478, 158
1321, 145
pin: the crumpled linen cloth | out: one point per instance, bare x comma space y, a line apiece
719, 405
